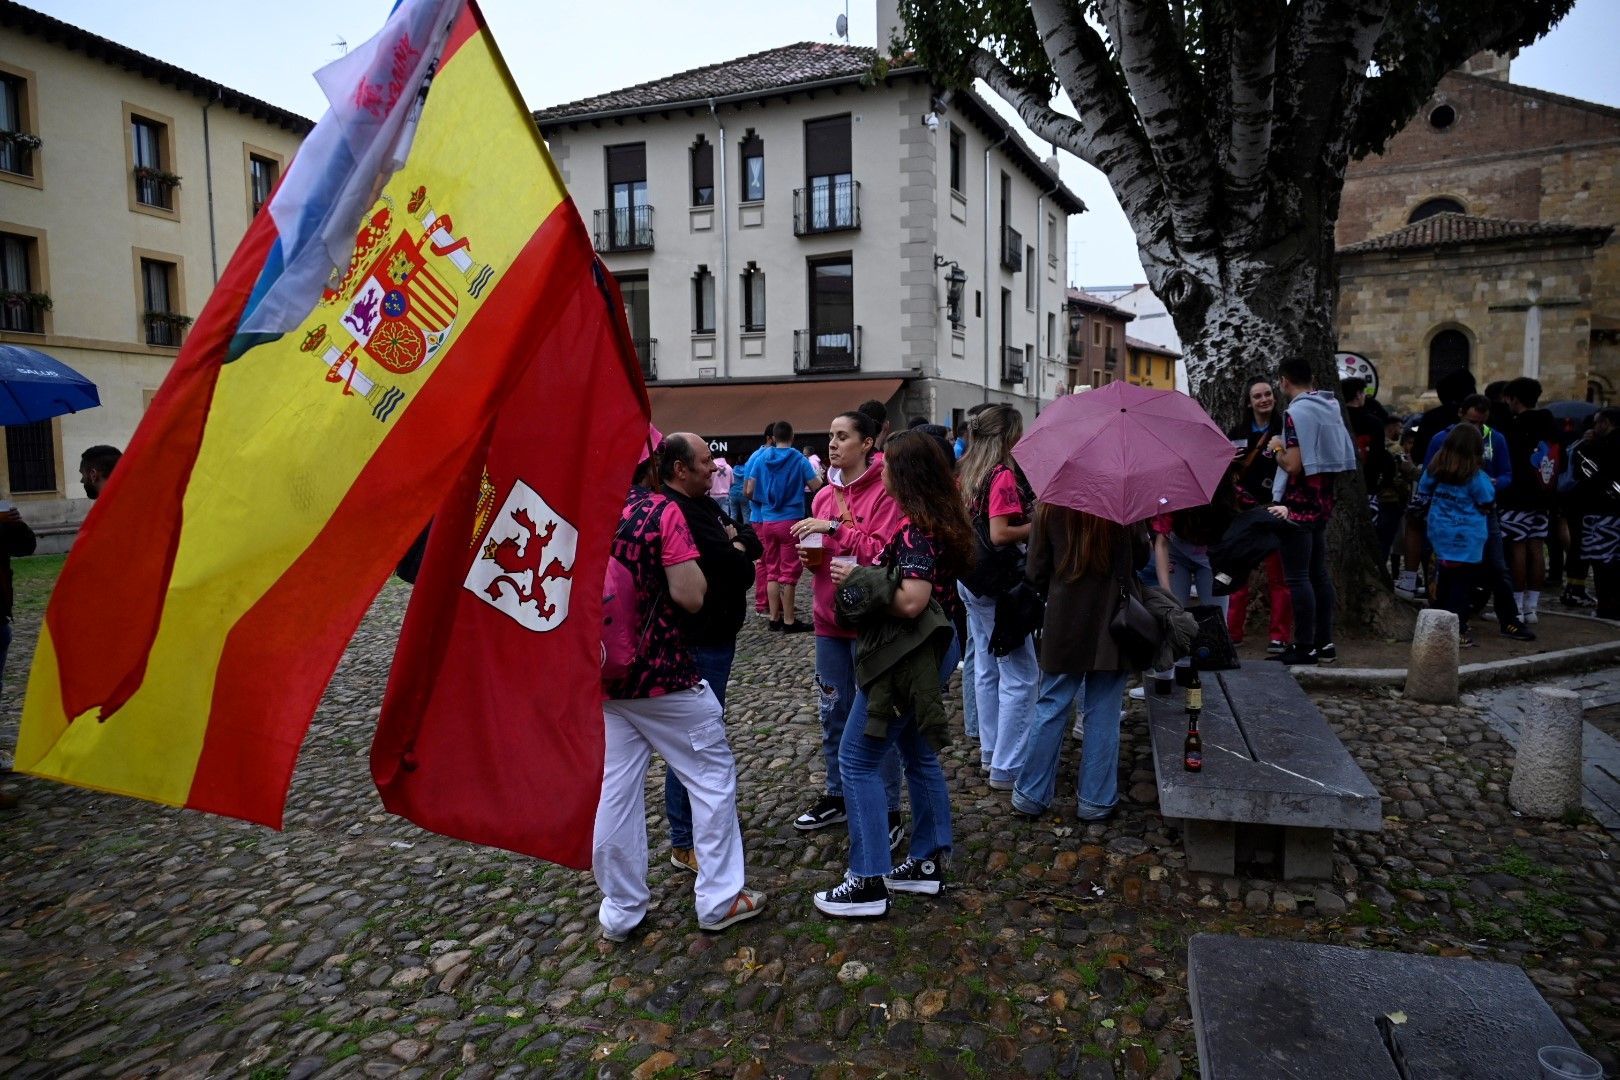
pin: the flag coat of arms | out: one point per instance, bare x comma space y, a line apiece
419, 259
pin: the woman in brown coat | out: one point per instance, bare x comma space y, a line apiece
1082, 561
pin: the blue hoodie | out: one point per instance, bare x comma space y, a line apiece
779, 474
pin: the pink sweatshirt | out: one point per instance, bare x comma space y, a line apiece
877, 518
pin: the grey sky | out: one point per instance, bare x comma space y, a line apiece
560, 52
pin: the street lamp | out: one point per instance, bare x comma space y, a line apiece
954, 281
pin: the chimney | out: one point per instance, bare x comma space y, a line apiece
1489, 65
889, 25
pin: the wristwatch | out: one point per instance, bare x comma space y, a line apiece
832, 526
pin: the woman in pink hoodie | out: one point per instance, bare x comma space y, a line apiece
855, 517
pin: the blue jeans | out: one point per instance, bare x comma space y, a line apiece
839, 697
1003, 686
737, 504
1189, 567
861, 758
714, 664
970, 700
1101, 707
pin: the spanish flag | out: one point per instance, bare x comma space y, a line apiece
419, 259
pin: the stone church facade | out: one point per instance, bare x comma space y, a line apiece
1480, 238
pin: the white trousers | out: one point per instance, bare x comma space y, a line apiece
686, 731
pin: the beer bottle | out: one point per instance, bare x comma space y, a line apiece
1192, 750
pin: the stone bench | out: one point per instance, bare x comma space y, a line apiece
1270, 760
1264, 1008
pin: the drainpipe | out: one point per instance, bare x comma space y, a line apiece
1005, 135
208, 177
725, 250
1040, 281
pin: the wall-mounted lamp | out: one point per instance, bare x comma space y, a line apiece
954, 281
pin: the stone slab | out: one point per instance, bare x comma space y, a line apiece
1265, 1008
1270, 758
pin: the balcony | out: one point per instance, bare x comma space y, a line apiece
1111, 358
647, 350
827, 208
624, 228
826, 349
17, 152
23, 312
1012, 249
165, 328
1012, 364
154, 187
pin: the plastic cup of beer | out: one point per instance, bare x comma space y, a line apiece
1567, 1063
845, 560
811, 544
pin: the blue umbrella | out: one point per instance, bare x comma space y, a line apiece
36, 387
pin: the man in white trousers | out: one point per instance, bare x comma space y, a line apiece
662, 704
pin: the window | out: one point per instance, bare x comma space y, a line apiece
1051, 333
263, 172
1006, 200
703, 301
702, 155
31, 457
22, 303
1029, 278
958, 161
637, 315
832, 314
1096, 331
153, 158
1448, 352
1051, 240
753, 167
1442, 117
830, 183
1431, 207
1170, 370
753, 299
159, 290
19, 138
1097, 378
629, 216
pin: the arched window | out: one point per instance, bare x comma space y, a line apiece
1448, 352
752, 157
702, 172
1431, 207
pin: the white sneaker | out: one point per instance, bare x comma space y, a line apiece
1528, 618
1138, 693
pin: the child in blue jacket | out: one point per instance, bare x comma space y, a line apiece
1460, 497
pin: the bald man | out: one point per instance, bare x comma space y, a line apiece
727, 549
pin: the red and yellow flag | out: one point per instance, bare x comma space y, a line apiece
286, 465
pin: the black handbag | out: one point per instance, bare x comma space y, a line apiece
1134, 629
1020, 611
995, 569
1212, 646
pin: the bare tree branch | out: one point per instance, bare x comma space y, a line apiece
1329, 48
1251, 78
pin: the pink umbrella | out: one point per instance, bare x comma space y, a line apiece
1124, 452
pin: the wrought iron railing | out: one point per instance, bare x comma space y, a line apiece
1012, 364
1012, 249
623, 228
829, 204
827, 349
647, 350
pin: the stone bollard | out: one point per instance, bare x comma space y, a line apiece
1547, 768
1431, 676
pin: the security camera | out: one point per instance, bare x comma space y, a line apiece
932, 120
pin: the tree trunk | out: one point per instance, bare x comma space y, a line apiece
1261, 314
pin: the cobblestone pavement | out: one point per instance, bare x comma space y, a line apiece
139, 941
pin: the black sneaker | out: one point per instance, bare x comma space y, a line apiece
829, 810
1517, 631
1327, 654
796, 627
855, 898
1577, 597
1295, 656
775, 626
917, 875
897, 829
1275, 646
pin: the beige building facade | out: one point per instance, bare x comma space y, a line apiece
795, 232
125, 185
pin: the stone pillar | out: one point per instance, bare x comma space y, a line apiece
1547, 768
1431, 676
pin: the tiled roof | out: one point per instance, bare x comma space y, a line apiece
1080, 296
1446, 230
774, 69
38, 24
800, 66
1148, 346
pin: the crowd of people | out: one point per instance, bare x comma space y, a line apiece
914, 545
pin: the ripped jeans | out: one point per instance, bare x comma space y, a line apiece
835, 681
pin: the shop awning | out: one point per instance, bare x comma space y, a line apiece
745, 408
